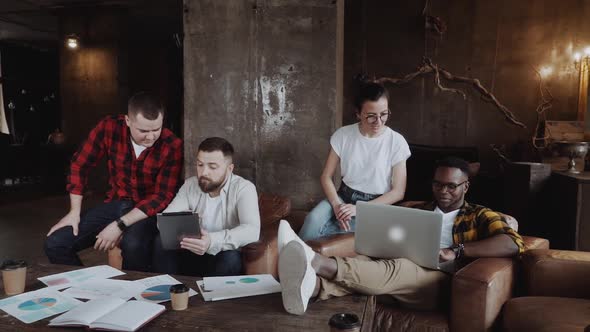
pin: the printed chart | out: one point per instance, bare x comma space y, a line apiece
221, 288
33, 306
67, 279
157, 289
157, 293
248, 281
37, 304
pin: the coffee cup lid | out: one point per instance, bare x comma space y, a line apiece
178, 288
344, 321
11, 264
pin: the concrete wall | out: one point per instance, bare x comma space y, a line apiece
498, 42
262, 74
123, 50
93, 78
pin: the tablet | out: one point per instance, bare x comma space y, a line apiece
174, 226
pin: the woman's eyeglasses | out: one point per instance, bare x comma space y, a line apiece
372, 118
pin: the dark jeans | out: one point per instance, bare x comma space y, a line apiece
184, 262
136, 245
351, 196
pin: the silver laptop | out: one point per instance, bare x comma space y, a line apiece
388, 231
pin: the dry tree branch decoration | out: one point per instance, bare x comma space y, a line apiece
428, 67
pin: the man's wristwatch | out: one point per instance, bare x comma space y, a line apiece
458, 250
121, 224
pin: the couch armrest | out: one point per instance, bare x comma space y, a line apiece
479, 290
340, 245
531, 242
261, 257
557, 273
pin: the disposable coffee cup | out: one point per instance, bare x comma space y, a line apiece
179, 296
14, 276
344, 323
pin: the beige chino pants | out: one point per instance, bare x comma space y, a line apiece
413, 286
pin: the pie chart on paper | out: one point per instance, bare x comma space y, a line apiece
157, 293
37, 304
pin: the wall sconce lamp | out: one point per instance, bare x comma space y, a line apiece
72, 42
581, 59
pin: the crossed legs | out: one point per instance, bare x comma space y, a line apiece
305, 275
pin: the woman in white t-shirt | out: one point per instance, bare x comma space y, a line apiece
372, 159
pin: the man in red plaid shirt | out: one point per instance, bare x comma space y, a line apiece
144, 163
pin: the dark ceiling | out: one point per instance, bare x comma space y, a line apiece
36, 21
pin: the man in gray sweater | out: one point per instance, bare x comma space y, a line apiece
228, 207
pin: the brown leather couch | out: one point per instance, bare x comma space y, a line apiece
258, 257
479, 290
557, 285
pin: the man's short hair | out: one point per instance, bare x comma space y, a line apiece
148, 105
369, 91
454, 162
212, 144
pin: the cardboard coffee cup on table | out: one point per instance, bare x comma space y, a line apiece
14, 276
179, 296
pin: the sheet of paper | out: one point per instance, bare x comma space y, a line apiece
157, 289
98, 288
67, 279
247, 281
236, 292
33, 306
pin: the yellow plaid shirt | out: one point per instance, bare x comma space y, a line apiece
476, 222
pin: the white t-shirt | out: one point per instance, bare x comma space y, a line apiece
446, 234
137, 148
366, 163
211, 216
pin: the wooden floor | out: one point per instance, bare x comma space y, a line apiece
25, 223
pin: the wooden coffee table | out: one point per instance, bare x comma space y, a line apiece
256, 313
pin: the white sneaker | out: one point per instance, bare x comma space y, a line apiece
297, 277
287, 234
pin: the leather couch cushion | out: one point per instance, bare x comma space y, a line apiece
539, 313
559, 273
392, 318
260, 257
272, 208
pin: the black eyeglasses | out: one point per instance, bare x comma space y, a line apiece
451, 187
372, 118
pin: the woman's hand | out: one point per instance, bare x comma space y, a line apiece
344, 215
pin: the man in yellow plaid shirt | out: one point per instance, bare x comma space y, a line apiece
468, 231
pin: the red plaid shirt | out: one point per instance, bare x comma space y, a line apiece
150, 180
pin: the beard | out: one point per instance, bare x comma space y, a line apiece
207, 185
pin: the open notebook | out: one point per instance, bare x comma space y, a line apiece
111, 314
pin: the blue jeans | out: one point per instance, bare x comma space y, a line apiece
136, 245
321, 221
184, 262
